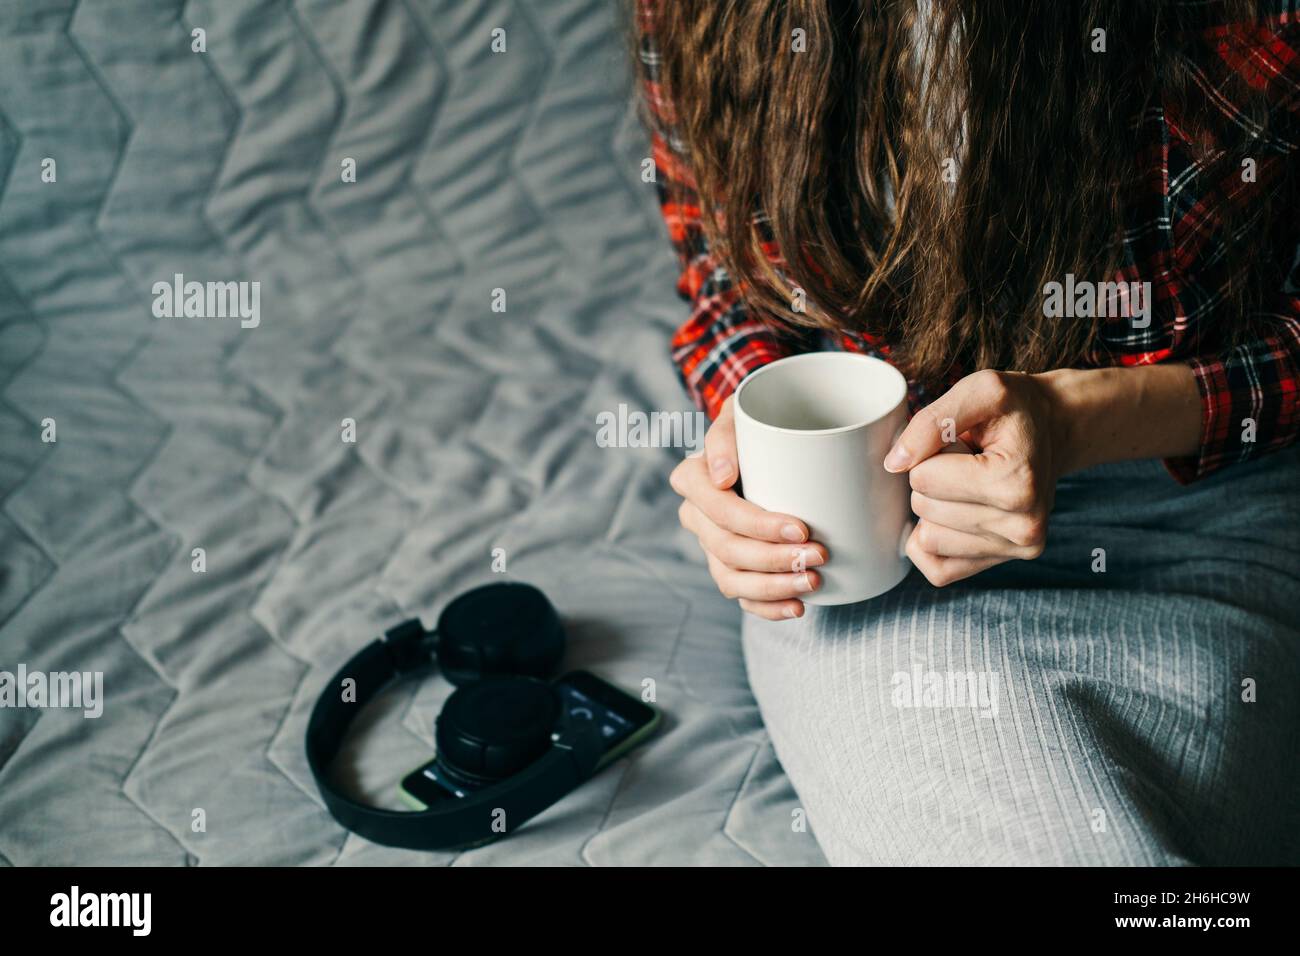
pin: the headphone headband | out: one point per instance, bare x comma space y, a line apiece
405, 650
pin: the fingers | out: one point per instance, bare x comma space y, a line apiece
728, 510
953, 478
749, 554
1025, 530
759, 586
942, 571
749, 550
947, 542
720, 448
985, 479
972, 401
772, 610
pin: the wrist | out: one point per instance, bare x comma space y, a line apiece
1113, 414
1074, 397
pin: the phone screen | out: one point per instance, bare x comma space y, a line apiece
618, 714
624, 722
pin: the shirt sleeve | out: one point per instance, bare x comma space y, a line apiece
722, 340
1249, 401
1249, 392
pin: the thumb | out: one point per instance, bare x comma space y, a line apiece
720, 447
972, 401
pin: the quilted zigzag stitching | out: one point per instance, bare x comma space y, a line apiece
340, 87
170, 429
731, 807
530, 118
112, 380
305, 667
439, 59
125, 363
629, 181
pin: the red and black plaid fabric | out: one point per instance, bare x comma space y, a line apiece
1173, 240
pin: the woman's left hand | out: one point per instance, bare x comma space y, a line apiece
977, 510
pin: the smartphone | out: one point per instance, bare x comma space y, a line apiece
624, 722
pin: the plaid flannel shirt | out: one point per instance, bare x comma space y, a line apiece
1172, 239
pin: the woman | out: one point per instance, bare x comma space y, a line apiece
932, 182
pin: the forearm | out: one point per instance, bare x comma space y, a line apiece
1113, 414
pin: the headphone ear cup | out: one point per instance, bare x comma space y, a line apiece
499, 629
493, 728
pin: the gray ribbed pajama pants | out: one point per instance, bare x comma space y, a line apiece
1050, 712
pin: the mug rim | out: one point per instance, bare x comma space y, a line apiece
899, 378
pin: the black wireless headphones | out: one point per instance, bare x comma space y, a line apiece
502, 734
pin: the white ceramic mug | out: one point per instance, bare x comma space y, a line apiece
812, 432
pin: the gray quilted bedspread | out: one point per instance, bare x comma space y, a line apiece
475, 429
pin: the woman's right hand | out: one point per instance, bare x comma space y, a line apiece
759, 557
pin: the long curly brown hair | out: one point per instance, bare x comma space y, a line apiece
839, 152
